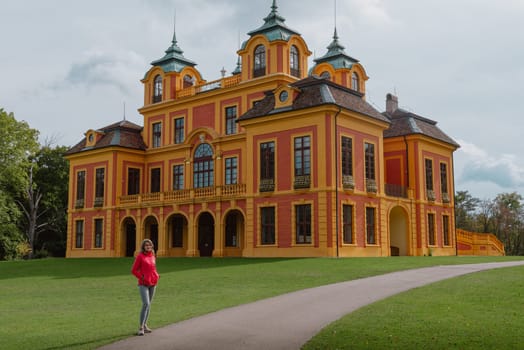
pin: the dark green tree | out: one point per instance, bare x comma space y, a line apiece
52, 178
18, 143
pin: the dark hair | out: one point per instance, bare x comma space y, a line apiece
142, 246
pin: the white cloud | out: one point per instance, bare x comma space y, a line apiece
478, 165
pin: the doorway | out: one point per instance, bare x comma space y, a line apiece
206, 234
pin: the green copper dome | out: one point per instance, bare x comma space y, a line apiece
274, 27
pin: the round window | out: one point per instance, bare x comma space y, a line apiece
283, 96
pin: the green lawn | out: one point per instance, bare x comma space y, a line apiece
85, 303
484, 310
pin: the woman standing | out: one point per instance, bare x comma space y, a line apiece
144, 269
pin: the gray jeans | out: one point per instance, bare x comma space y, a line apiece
146, 293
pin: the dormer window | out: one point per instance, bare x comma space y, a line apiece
294, 62
325, 75
188, 81
355, 82
157, 93
260, 61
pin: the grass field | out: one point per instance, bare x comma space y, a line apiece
85, 303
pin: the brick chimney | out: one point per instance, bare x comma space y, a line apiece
391, 103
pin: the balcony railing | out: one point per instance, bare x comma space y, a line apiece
394, 190
209, 86
302, 181
185, 195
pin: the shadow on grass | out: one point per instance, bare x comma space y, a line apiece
61, 268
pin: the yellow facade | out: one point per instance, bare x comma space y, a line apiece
274, 160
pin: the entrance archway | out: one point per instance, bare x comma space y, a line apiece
206, 234
151, 230
234, 227
399, 232
129, 237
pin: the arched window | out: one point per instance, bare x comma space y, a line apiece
188, 81
325, 75
294, 62
355, 82
260, 61
203, 167
157, 90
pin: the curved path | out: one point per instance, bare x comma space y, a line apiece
288, 321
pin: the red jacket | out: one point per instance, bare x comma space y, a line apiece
144, 269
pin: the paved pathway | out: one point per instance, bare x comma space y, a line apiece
288, 321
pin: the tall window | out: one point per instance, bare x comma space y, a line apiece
179, 130
157, 89
445, 229
79, 234
267, 167
347, 222
302, 156
155, 180
369, 153
231, 171
157, 135
99, 233
133, 181
371, 236
267, 161
267, 225
177, 232
429, 174
99, 186
178, 177
80, 188
294, 62
443, 178
231, 120
303, 223
203, 166
355, 82
347, 156
260, 61
431, 229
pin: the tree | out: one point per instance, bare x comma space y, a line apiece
465, 207
508, 219
17, 143
52, 177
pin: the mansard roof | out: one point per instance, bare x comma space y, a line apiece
316, 91
120, 134
404, 123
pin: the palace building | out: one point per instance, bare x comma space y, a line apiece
277, 159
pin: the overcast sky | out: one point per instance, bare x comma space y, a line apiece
69, 66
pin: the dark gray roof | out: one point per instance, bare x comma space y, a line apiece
404, 123
123, 134
315, 91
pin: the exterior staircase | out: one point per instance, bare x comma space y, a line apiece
473, 243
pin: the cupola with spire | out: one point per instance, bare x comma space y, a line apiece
169, 74
341, 68
273, 48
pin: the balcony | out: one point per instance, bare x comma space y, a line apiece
181, 196
223, 83
398, 191
371, 186
99, 202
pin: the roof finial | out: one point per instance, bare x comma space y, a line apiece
274, 7
124, 110
174, 41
